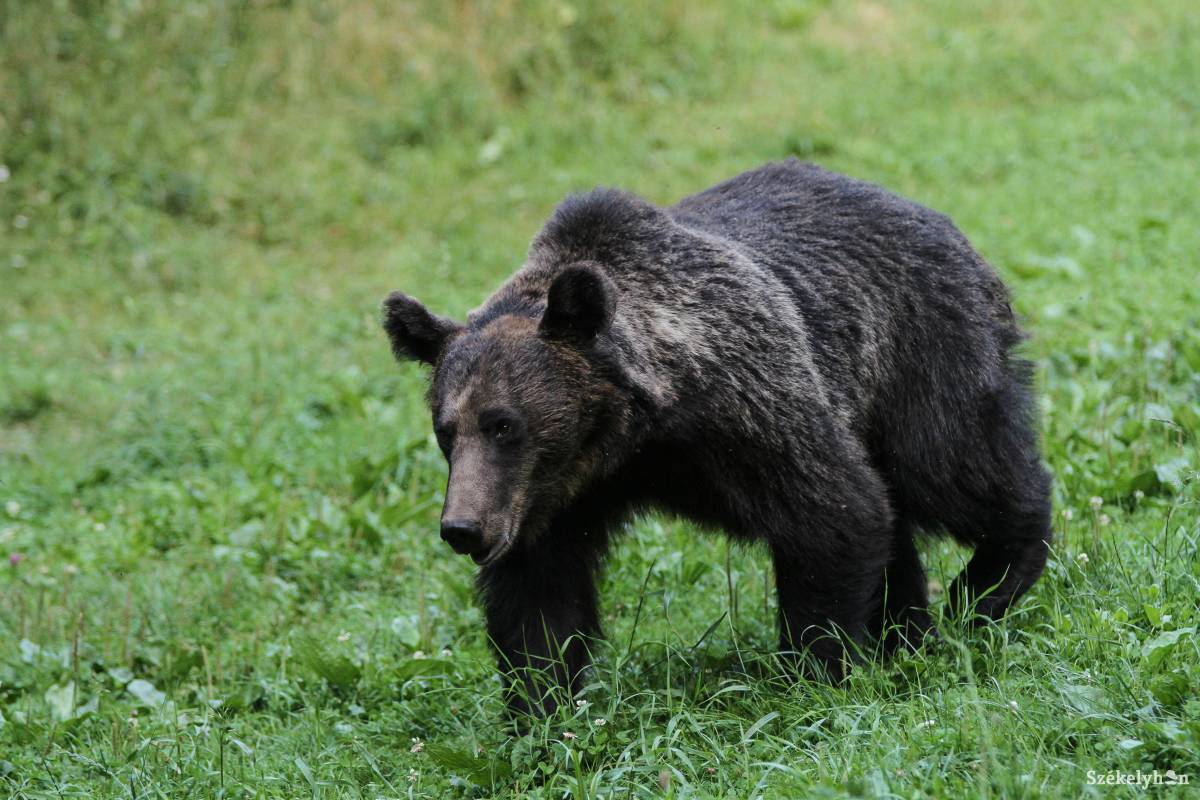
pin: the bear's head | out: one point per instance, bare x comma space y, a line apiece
524, 408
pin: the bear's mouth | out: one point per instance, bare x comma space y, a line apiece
497, 551
485, 557
507, 539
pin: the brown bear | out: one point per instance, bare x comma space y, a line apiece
793, 357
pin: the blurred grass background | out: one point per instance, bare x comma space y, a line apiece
205, 449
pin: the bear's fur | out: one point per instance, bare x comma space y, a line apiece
792, 356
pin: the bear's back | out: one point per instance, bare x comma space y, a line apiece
881, 281
789, 208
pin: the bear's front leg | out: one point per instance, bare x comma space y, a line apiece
540, 604
829, 571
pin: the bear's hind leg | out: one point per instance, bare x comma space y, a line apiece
1010, 555
1001, 506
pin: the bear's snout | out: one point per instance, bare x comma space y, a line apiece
465, 536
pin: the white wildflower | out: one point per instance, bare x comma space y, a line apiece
417, 745
600, 722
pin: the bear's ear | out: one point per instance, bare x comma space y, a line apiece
579, 304
414, 332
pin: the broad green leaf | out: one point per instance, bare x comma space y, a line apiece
1158, 648
1082, 698
122, 675
1157, 412
302, 765
1172, 473
406, 629
453, 758
146, 693
1034, 265
480, 770
61, 700
415, 667
335, 668
1170, 689
88, 708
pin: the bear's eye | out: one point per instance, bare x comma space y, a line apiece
499, 426
498, 429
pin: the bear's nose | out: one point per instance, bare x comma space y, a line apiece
463, 535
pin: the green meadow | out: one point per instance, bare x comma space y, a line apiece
219, 495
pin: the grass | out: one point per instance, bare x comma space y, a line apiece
218, 495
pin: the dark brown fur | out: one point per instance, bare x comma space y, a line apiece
792, 356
